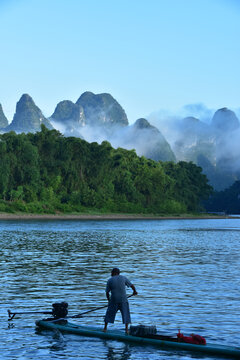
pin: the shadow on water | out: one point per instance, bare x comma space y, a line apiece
117, 352
109, 349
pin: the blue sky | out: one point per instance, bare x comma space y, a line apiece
149, 54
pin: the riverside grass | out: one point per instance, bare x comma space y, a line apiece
91, 215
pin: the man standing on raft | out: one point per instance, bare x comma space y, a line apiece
118, 300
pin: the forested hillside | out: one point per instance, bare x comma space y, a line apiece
45, 172
227, 201
212, 144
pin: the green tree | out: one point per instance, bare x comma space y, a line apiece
4, 169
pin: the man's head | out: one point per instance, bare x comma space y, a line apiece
115, 271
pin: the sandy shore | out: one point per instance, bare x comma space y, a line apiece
7, 216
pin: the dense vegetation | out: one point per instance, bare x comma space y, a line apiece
227, 201
46, 172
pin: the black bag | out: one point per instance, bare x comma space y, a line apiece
143, 330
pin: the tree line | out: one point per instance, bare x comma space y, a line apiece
227, 201
45, 172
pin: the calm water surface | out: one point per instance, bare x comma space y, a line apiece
187, 274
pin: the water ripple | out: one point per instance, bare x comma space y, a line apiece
186, 272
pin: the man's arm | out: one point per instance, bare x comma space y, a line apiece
108, 295
134, 290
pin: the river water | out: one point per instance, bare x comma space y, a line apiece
186, 272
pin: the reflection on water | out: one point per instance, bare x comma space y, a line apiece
186, 272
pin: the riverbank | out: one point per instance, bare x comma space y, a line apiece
25, 216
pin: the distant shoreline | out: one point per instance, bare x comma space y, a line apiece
22, 216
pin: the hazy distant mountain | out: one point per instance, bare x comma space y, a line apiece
194, 127
149, 141
28, 117
3, 119
102, 110
100, 114
66, 110
98, 117
69, 117
225, 120
214, 147
193, 137
226, 127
